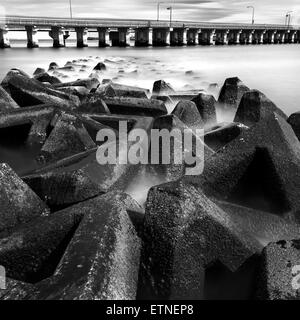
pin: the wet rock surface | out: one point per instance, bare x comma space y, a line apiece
32, 251
232, 93
28, 126
100, 66
217, 136
294, 121
63, 188
254, 106
279, 274
6, 101
90, 83
18, 203
29, 92
258, 168
16, 290
45, 77
111, 90
185, 232
94, 103
102, 260
72, 228
177, 150
206, 105
69, 136
136, 106
189, 114
161, 87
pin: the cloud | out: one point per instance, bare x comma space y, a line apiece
267, 11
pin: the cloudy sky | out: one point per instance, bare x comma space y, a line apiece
267, 11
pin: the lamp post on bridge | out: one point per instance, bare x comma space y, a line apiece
288, 18
171, 13
253, 12
71, 11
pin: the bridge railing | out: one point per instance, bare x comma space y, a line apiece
63, 22
15, 21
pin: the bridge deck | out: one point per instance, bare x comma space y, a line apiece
17, 21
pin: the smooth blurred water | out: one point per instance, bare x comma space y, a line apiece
272, 69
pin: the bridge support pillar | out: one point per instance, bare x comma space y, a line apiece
294, 38
124, 37
269, 36
207, 37
297, 37
32, 37
258, 36
143, 37
246, 36
222, 37
161, 37
234, 36
4, 39
193, 37
150, 37
178, 37
103, 36
290, 36
280, 37
57, 34
82, 37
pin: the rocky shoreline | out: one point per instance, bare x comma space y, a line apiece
70, 228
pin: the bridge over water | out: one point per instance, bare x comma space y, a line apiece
116, 32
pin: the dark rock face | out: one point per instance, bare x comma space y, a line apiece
70, 230
100, 66
161, 87
262, 226
53, 65
294, 121
92, 126
279, 272
17, 71
184, 234
6, 101
135, 106
29, 92
39, 71
259, 168
63, 187
68, 137
81, 92
206, 105
94, 104
90, 83
171, 122
172, 170
231, 93
45, 77
32, 251
254, 106
111, 90
37, 119
188, 113
16, 290
18, 203
165, 99
217, 136
102, 260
